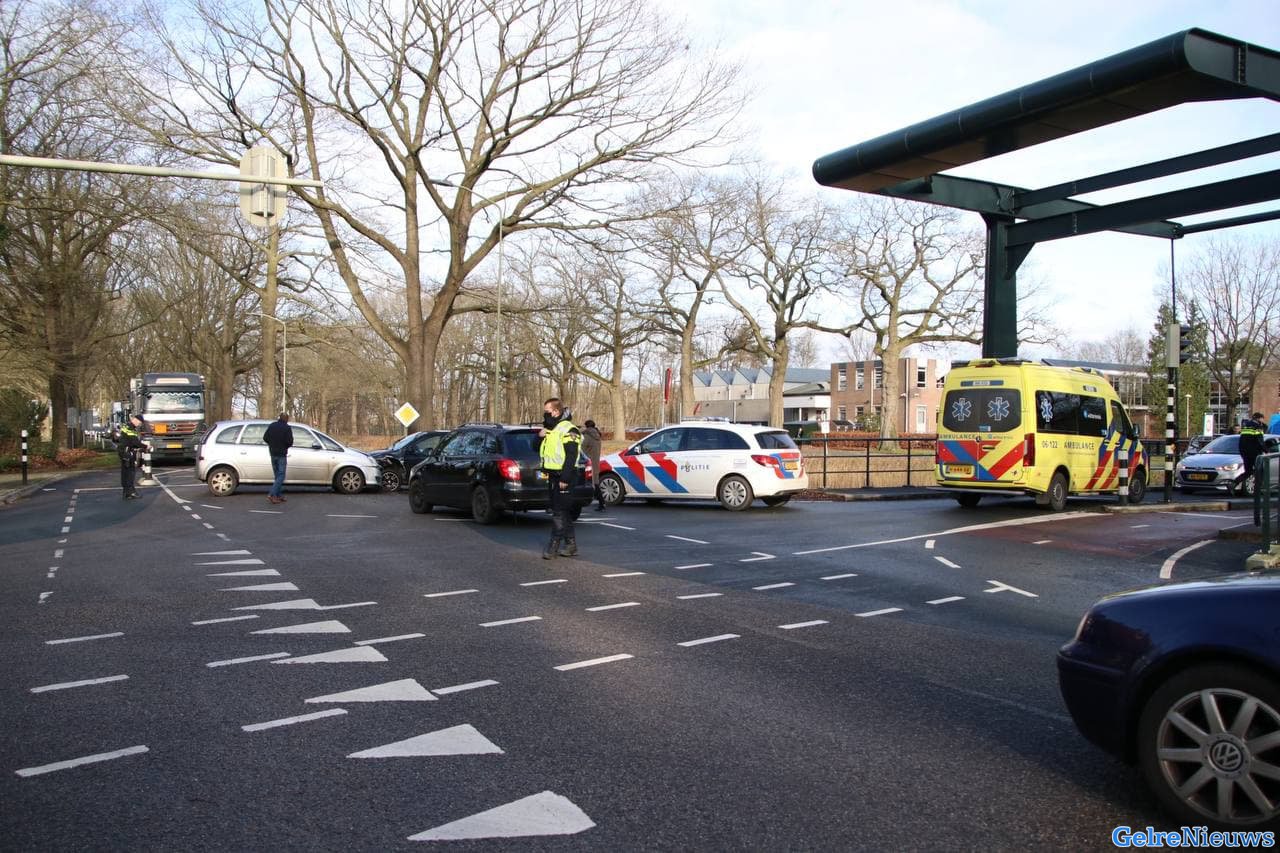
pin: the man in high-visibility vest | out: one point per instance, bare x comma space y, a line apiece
1251, 432
561, 441
128, 446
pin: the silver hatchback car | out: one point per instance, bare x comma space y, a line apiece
1219, 466
233, 452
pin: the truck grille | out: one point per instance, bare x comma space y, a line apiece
177, 428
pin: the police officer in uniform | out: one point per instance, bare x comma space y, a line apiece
561, 441
1251, 432
128, 446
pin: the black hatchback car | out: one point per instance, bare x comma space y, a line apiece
1184, 680
398, 460
489, 469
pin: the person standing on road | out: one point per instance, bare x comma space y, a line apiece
128, 446
279, 438
561, 442
1251, 431
591, 440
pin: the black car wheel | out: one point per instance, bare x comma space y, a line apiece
968, 501
390, 480
1056, 497
1138, 486
482, 508
349, 481
611, 489
418, 498
1209, 746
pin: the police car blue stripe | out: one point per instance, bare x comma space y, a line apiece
633, 482
668, 482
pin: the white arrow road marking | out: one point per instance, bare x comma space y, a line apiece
687, 539
1001, 586
546, 813
225, 619
251, 561
234, 661
295, 604
355, 654
458, 688
565, 667
331, 626
457, 740
263, 587
76, 762
715, 639
946, 562
84, 639
1166, 569
251, 573
760, 556
404, 690
66, 685
289, 721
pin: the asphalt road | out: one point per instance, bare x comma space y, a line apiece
818, 676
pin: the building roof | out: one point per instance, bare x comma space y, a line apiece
809, 388
761, 375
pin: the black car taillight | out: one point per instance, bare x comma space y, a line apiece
509, 469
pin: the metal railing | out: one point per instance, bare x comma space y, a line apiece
1265, 497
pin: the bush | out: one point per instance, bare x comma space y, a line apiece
18, 412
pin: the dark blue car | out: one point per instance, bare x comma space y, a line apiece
398, 460
1184, 680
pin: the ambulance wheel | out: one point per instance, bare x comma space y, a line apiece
968, 501
611, 489
1056, 497
1138, 486
735, 493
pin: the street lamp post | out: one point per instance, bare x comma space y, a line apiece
284, 359
1187, 418
497, 332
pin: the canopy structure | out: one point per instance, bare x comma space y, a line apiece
1194, 65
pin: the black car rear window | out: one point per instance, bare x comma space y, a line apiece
522, 444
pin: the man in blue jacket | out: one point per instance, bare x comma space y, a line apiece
279, 438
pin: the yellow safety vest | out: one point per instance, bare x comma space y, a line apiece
1251, 427
553, 445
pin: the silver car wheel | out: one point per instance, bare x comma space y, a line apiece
350, 481
223, 481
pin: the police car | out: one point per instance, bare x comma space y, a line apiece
731, 463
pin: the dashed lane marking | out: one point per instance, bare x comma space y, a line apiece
77, 762
687, 539
57, 553
565, 667
394, 639
1138, 526
543, 583
693, 566
886, 611
622, 575
459, 688
234, 661
773, 586
345, 606
239, 552
289, 721
838, 577
946, 562
947, 600
210, 506
700, 595
1166, 569
225, 619
67, 685
810, 624
335, 515
613, 606
451, 592
207, 525
928, 544
84, 639
267, 511
611, 524
715, 639
1042, 542
510, 621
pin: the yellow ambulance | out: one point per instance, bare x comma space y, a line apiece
1028, 427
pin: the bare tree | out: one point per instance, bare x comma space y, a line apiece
537, 110
916, 277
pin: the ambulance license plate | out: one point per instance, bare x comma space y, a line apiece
959, 470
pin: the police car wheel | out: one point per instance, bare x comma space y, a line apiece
612, 490
223, 481
735, 493
1195, 736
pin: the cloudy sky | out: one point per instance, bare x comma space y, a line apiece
827, 74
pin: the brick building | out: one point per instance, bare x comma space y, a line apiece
857, 393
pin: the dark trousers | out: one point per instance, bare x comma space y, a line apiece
561, 505
127, 469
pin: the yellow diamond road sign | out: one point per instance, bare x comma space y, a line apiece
406, 415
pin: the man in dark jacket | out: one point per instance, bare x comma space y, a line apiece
591, 440
128, 447
278, 438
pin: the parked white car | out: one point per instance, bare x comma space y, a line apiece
731, 463
233, 452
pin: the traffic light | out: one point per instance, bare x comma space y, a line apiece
1185, 343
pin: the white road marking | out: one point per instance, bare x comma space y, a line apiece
354, 654
510, 621
87, 490
838, 577
760, 556
546, 813
295, 604
397, 638
1042, 542
76, 762
251, 573
458, 688
947, 600
1001, 586
622, 575
693, 566
883, 612
236, 553
541, 583
67, 685
43, 596
456, 740
234, 661
714, 639
331, 626
403, 690
345, 606
687, 539
700, 595
251, 561
289, 721
66, 529
57, 554
928, 544
336, 515
795, 625
611, 524
946, 562
453, 519
1138, 526
565, 667
210, 506
267, 511
223, 537
83, 639
972, 528
451, 592
1166, 569
613, 606
186, 509
66, 520
263, 587
1191, 514
773, 586
196, 517
226, 619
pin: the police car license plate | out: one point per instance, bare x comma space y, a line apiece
791, 464
1199, 477
959, 470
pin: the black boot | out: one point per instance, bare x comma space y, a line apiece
553, 547
570, 548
